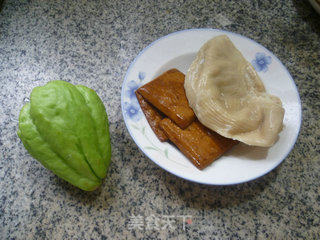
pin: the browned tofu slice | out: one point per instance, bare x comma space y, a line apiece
153, 117
167, 94
201, 145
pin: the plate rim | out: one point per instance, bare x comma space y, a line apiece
186, 177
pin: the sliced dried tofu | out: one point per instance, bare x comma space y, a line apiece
153, 117
167, 94
198, 143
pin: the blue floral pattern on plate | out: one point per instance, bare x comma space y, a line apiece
142, 75
132, 110
261, 62
131, 107
132, 86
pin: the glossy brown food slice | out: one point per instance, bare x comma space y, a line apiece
153, 117
167, 94
201, 145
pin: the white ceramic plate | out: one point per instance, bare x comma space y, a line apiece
242, 163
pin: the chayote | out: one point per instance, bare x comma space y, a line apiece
65, 127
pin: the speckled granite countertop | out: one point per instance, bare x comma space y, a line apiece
93, 43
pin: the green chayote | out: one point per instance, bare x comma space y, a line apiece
65, 127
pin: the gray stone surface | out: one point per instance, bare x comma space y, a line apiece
93, 43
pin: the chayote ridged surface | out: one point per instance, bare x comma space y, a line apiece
65, 127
